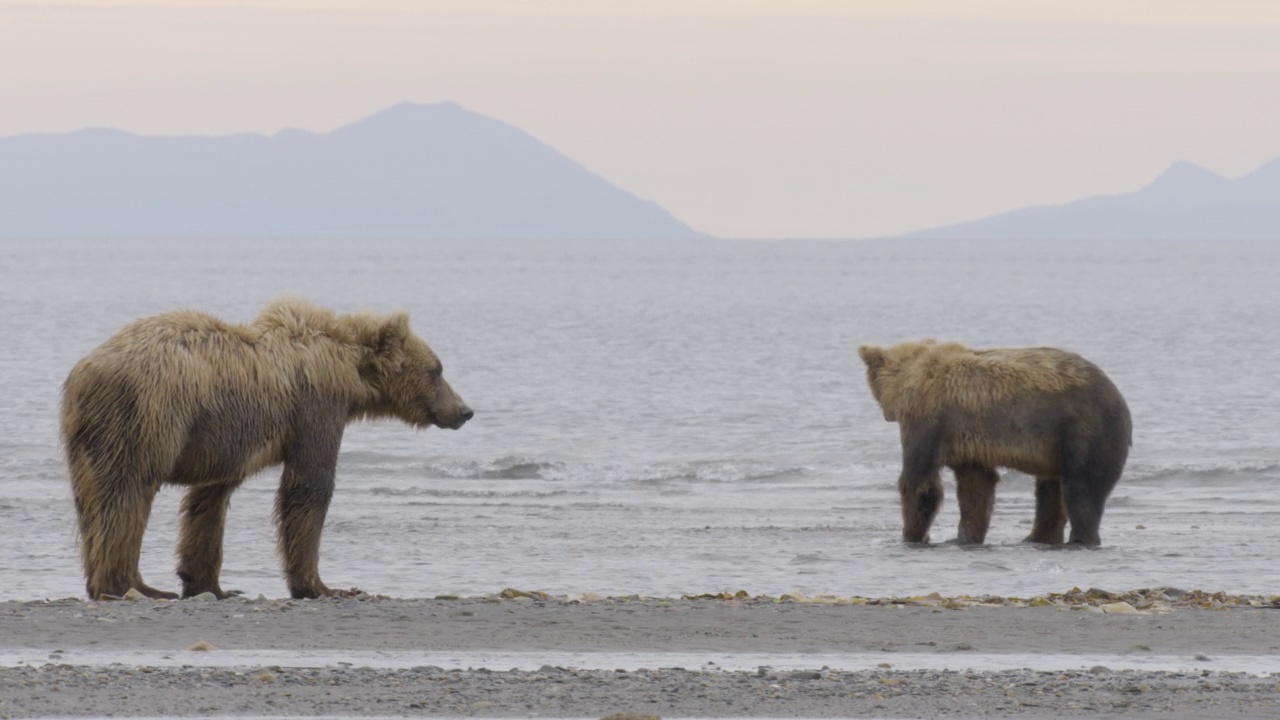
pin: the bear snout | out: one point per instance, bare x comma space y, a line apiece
461, 417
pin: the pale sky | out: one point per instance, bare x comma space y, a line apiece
745, 118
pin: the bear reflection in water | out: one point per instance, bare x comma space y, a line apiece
187, 399
1042, 411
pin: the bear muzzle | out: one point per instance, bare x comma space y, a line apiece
454, 420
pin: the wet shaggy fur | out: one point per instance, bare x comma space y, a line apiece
1043, 411
187, 399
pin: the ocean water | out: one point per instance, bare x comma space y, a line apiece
662, 418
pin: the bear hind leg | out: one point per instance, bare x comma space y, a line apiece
1086, 487
112, 538
1084, 508
1051, 512
151, 592
203, 520
976, 494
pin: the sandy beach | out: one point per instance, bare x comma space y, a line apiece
1178, 656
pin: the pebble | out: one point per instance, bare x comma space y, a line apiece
1119, 608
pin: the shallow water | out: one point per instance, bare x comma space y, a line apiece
664, 419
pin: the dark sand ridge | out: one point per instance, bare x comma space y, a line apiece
1165, 623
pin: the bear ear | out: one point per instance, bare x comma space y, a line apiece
872, 355
391, 332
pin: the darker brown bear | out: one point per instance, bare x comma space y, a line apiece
187, 399
1042, 411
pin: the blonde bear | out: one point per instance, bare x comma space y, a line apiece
1042, 411
187, 399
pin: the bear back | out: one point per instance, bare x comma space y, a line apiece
917, 379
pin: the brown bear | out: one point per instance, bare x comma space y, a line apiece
1043, 411
187, 399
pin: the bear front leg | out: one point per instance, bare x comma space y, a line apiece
976, 492
301, 506
1051, 512
920, 484
202, 521
306, 487
921, 500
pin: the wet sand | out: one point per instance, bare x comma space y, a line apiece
919, 658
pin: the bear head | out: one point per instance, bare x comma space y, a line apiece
406, 376
884, 366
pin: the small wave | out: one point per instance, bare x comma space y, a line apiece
1119, 501
711, 472
520, 468
1196, 473
370, 457
774, 530
671, 478
506, 468
27, 467
814, 558
478, 494
748, 471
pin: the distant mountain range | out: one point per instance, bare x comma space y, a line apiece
419, 171
1186, 202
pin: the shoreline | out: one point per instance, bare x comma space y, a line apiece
908, 657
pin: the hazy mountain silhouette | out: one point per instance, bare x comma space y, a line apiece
1186, 202
412, 170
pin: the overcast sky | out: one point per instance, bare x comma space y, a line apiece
745, 118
